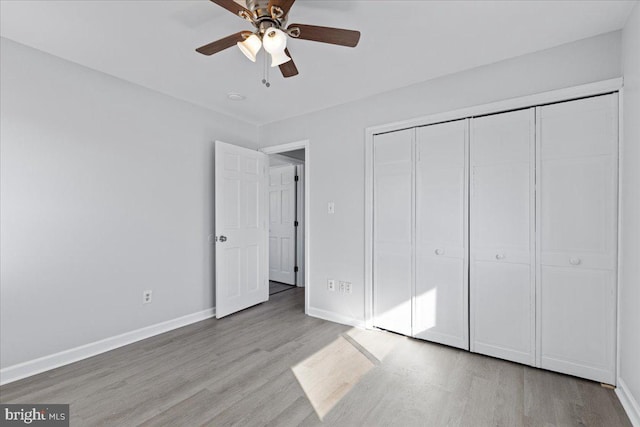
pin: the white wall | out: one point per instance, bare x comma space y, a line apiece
337, 241
629, 280
106, 190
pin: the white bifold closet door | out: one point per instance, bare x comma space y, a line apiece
393, 230
502, 236
577, 228
441, 291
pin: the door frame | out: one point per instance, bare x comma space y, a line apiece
565, 94
282, 148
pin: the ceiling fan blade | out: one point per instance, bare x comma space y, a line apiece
285, 5
222, 44
315, 33
233, 7
289, 68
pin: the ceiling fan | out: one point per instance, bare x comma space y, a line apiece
269, 17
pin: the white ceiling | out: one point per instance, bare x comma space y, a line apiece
152, 43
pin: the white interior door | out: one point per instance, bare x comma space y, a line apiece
577, 214
241, 228
502, 285
282, 230
393, 231
441, 291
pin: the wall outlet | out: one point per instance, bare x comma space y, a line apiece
331, 285
146, 297
331, 207
344, 287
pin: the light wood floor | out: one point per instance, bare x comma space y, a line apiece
240, 371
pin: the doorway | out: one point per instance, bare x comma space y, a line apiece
286, 221
288, 217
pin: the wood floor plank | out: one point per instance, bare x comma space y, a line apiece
238, 371
509, 397
294, 414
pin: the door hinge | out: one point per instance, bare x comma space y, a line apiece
296, 178
295, 269
295, 223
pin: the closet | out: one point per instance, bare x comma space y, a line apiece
577, 229
393, 231
498, 234
440, 306
502, 284
420, 232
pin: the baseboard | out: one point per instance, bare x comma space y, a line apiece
629, 403
46, 363
335, 317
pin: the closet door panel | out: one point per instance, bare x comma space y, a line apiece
441, 292
577, 214
503, 324
576, 321
501, 211
393, 231
502, 287
441, 309
441, 204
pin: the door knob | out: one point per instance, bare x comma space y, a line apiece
223, 238
499, 256
439, 251
575, 261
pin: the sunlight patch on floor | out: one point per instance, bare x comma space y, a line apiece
378, 343
330, 373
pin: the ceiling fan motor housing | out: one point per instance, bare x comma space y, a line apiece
265, 17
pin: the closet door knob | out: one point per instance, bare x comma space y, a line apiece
439, 251
575, 261
499, 256
223, 238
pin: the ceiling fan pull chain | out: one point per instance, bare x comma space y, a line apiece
265, 72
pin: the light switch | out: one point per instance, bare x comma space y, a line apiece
331, 207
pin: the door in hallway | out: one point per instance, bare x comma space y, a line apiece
282, 230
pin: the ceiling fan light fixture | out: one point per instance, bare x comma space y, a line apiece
250, 47
279, 58
275, 42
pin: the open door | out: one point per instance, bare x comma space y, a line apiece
242, 278
282, 228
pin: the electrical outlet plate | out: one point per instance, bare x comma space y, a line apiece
331, 207
347, 287
146, 297
331, 285
344, 287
